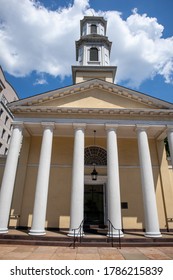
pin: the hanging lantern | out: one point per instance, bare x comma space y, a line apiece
94, 173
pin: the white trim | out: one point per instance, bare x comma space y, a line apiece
70, 121
94, 83
96, 111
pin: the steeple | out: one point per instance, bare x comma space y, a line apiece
93, 52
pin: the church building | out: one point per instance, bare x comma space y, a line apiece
89, 154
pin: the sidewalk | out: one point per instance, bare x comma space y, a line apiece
29, 252
42, 252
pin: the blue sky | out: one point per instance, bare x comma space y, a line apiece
37, 43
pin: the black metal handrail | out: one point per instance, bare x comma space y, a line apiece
110, 231
79, 234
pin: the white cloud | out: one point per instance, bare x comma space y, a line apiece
33, 38
139, 50
41, 81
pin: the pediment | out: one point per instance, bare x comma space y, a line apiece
94, 94
94, 98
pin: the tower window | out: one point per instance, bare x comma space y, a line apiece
93, 28
93, 54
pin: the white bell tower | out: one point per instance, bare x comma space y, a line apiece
93, 52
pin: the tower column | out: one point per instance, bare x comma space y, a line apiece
113, 183
9, 176
77, 189
149, 198
40, 203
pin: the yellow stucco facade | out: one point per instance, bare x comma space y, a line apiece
95, 103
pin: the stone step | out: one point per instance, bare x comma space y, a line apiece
90, 241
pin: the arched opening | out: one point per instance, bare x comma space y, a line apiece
95, 155
94, 195
93, 28
94, 54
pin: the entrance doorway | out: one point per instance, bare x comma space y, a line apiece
93, 205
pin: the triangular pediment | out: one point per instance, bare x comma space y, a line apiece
94, 94
93, 98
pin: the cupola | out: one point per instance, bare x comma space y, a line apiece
93, 52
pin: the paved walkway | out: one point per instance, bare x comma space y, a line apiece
29, 252
35, 252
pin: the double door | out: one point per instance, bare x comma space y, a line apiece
93, 205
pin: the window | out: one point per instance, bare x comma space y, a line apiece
3, 133
95, 155
6, 119
93, 54
4, 100
93, 28
167, 147
8, 139
124, 205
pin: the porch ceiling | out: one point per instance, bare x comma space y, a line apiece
123, 131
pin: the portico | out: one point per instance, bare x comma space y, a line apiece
111, 135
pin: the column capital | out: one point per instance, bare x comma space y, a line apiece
141, 127
50, 125
111, 127
18, 125
169, 128
81, 126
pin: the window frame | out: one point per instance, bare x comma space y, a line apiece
94, 54
93, 29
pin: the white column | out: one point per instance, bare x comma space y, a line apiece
113, 182
170, 142
77, 189
40, 203
148, 190
9, 176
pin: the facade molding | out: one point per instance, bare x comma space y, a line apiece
93, 111
91, 84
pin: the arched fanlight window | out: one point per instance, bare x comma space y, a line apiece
94, 54
93, 28
95, 155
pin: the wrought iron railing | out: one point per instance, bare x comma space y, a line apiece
111, 229
78, 233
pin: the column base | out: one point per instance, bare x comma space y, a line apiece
71, 234
36, 232
153, 234
3, 230
115, 234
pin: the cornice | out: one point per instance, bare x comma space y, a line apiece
96, 38
88, 85
93, 111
